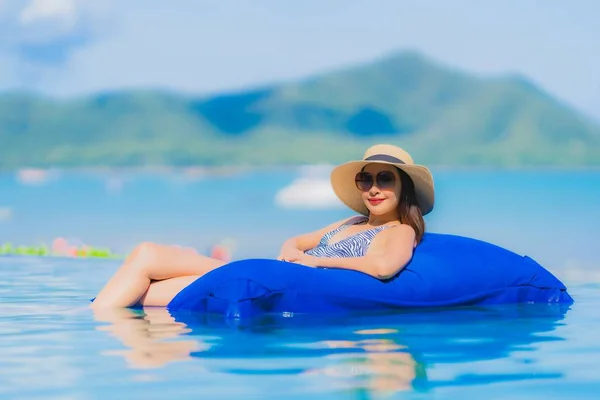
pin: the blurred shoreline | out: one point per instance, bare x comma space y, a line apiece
200, 171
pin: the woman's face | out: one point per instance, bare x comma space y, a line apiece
380, 187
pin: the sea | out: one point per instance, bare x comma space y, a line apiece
52, 346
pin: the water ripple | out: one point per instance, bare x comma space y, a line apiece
53, 345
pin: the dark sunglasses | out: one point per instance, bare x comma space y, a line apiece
384, 180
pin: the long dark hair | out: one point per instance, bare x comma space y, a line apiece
409, 211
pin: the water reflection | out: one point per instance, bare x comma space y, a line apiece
379, 365
146, 334
379, 354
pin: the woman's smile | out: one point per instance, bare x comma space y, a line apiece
375, 201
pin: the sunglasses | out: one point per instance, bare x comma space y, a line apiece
384, 180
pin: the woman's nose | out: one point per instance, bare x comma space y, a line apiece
374, 190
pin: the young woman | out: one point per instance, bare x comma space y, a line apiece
386, 187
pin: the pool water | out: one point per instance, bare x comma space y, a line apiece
53, 346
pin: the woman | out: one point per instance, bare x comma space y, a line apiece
386, 187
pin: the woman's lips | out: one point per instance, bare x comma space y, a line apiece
375, 201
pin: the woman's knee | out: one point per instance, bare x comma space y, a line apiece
149, 256
145, 255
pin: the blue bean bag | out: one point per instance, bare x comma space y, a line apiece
446, 270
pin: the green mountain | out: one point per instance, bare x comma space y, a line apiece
441, 115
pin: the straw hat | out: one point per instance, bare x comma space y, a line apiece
342, 177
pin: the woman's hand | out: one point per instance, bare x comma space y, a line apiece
309, 261
289, 254
304, 259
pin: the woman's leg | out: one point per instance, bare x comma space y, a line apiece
160, 293
147, 264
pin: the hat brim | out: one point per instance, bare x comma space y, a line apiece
344, 187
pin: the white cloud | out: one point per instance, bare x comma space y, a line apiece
38, 37
312, 190
307, 193
63, 11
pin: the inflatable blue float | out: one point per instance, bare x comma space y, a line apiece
445, 271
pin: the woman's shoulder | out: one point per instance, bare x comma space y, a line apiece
396, 232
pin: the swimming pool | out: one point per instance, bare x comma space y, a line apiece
53, 346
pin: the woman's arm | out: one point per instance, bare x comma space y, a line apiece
388, 253
301, 243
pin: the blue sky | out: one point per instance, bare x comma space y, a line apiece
74, 47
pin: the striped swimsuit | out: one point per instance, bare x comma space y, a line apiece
353, 246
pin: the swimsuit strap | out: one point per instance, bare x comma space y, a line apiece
353, 221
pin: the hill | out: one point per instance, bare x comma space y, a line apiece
441, 115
